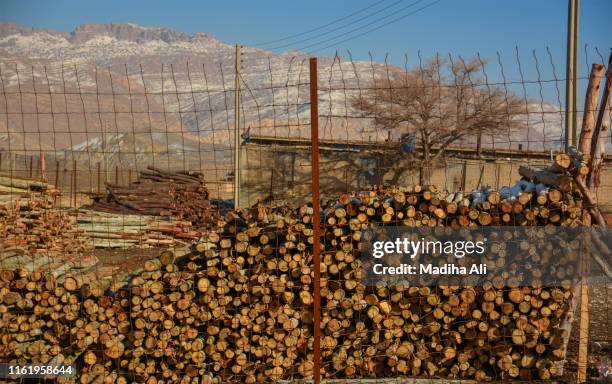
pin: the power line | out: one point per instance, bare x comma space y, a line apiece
361, 27
319, 27
339, 27
366, 32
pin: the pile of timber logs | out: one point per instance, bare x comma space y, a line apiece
238, 306
12, 187
159, 193
562, 172
69, 273
109, 230
39, 228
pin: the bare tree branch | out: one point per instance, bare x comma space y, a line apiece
441, 102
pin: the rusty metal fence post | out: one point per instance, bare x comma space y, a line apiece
316, 221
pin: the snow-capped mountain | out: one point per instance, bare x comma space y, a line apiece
127, 89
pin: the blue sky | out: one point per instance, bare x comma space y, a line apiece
446, 26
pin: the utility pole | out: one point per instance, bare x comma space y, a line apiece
571, 78
237, 130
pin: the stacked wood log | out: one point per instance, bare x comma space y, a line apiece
47, 320
159, 193
13, 188
561, 174
13, 184
39, 228
238, 306
109, 230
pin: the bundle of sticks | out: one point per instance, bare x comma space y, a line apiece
109, 230
39, 228
238, 306
159, 193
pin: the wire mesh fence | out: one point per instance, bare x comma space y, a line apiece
116, 121
102, 169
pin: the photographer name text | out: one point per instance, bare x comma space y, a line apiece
430, 269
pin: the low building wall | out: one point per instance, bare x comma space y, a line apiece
283, 172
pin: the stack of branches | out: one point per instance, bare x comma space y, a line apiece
159, 193
238, 306
37, 227
108, 230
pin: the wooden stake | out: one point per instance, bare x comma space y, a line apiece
590, 108
600, 134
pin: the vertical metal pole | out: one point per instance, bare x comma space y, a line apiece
99, 172
316, 219
463, 175
74, 181
57, 167
583, 329
271, 194
497, 172
42, 166
71, 184
237, 131
583, 338
571, 82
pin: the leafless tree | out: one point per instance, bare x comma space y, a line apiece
440, 102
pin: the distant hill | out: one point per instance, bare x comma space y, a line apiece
64, 90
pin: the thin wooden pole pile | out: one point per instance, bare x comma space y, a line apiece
13, 184
13, 188
238, 306
159, 193
109, 230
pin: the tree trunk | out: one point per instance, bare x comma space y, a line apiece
425, 172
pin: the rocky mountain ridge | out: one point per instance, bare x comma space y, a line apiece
164, 91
